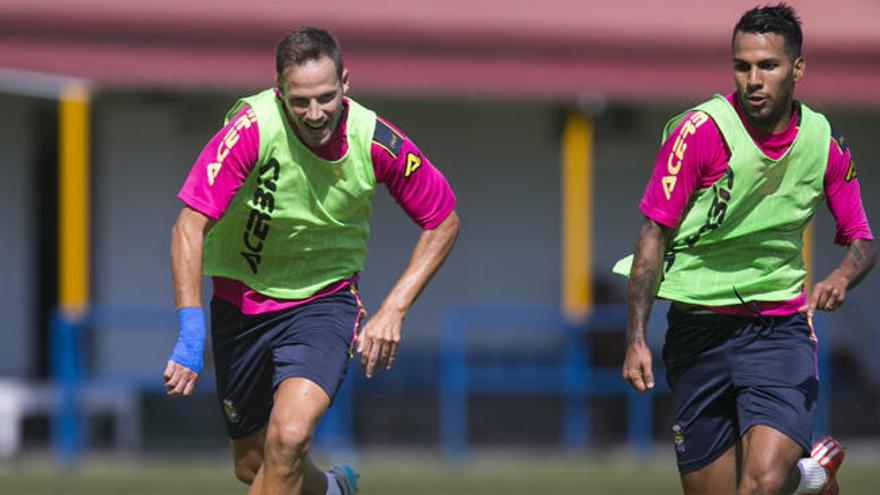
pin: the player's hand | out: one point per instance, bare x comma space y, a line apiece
637, 366
182, 371
179, 380
827, 295
378, 341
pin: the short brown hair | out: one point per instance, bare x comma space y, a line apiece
307, 43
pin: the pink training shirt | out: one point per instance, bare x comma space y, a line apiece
225, 162
706, 160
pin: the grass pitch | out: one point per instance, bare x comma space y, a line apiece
383, 474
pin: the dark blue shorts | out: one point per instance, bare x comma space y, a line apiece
730, 373
254, 354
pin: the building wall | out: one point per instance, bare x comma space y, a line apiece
17, 224
144, 147
502, 160
854, 327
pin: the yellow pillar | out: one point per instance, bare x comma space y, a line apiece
808, 256
73, 200
577, 216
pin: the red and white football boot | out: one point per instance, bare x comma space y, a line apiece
829, 454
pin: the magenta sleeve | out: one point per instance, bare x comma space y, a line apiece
414, 183
223, 166
692, 157
843, 196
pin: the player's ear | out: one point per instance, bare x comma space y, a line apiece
800, 65
345, 83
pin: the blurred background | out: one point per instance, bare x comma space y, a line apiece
544, 116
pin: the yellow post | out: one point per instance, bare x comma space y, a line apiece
808, 256
73, 200
577, 216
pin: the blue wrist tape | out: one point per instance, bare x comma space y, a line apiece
191, 340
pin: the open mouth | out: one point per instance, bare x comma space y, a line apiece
314, 132
756, 100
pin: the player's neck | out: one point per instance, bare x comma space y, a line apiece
777, 123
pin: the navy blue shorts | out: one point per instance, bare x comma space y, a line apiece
729, 373
254, 354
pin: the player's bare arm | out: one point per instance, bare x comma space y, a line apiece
643, 280
187, 238
380, 338
830, 293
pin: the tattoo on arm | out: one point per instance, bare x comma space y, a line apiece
858, 261
644, 278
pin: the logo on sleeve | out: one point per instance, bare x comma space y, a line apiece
413, 162
213, 170
387, 138
228, 142
668, 185
851, 171
673, 163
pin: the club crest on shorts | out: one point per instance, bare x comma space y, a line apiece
231, 413
678, 438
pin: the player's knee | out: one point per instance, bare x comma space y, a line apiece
767, 481
289, 440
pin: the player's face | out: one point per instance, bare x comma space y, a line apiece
313, 94
765, 77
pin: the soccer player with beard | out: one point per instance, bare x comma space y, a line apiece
735, 184
277, 210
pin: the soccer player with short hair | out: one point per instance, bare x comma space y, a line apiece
735, 184
277, 211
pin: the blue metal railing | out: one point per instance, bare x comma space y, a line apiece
71, 376
73, 379
571, 375
557, 363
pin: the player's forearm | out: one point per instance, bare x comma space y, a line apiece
428, 255
187, 239
857, 262
643, 279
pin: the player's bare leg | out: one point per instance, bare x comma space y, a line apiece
287, 467
718, 478
247, 454
769, 462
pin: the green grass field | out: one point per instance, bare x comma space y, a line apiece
389, 474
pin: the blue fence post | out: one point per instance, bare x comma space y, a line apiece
572, 376
575, 427
65, 364
638, 421
335, 431
453, 386
822, 420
